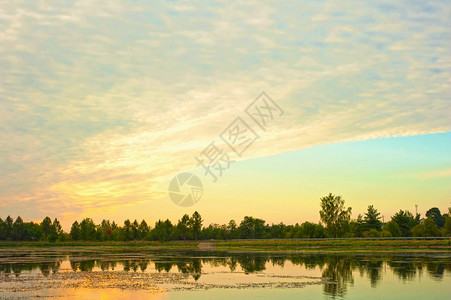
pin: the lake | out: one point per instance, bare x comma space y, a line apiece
115, 273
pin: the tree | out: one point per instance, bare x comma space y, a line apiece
162, 231
277, 231
87, 230
311, 230
405, 221
252, 228
117, 234
357, 227
182, 226
435, 214
428, 228
128, 230
334, 215
8, 227
135, 230
372, 219
106, 230
46, 227
195, 225
18, 230
75, 231
232, 230
447, 227
143, 229
32, 231
393, 228
3, 235
57, 227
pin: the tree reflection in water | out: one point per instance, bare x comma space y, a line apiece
338, 270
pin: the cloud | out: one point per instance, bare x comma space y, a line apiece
427, 175
101, 103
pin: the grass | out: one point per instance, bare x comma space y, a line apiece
131, 244
335, 245
294, 245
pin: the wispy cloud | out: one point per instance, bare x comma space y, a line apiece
434, 174
101, 102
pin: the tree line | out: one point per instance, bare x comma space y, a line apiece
335, 222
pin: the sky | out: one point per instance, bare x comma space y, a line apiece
102, 103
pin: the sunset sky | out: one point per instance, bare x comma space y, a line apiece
102, 103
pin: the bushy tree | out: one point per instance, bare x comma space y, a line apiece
428, 228
405, 221
118, 234
87, 230
252, 228
232, 230
393, 228
435, 214
277, 231
308, 230
162, 231
32, 231
105, 229
447, 227
335, 215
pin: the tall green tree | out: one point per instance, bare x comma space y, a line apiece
335, 215
46, 228
58, 228
75, 231
8, 227
372, 219
18, 230
195, 225
183, 226
135, 230
87, 230
128, 230
3, 235
143, 229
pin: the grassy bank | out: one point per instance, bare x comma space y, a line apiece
335, 245
130, 244
347, 245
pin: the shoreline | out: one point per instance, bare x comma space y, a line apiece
282, 246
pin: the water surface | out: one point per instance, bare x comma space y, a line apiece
109, 273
